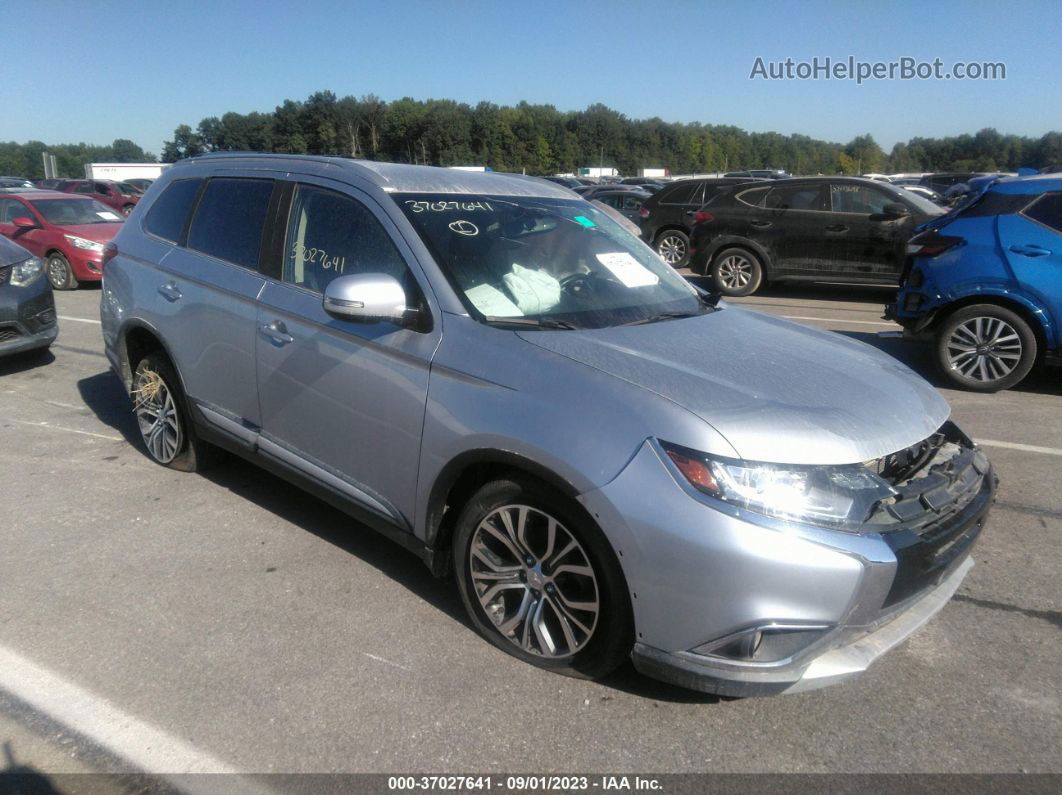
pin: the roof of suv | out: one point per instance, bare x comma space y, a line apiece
401, 177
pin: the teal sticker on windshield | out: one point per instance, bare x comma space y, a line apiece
585, 221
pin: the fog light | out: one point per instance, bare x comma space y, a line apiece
769, 643
912, 302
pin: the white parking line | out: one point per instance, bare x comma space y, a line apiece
51, 427
840, 320
1025, 448
143, 745
78, 319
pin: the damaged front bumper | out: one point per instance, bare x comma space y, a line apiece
733, 604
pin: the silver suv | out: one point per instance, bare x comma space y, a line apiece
499, 377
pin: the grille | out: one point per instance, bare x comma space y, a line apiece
8, 333
5, 274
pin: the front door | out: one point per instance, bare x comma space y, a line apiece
341, 401
865, 242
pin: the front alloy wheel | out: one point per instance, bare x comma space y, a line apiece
540, 580
534, 581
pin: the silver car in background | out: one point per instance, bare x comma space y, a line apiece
498, 376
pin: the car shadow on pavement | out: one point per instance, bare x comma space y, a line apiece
21, 362
104, 395
23, 779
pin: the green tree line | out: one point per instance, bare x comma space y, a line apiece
24, 160
539, 139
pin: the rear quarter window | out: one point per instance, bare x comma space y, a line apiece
230, 218
680, 194
1047, 210
169, 214
753, 197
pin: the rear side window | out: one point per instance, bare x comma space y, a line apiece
1048, 211
169, 214
753, 197
795, 197
682, 194
230, 218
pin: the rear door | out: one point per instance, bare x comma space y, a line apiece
203, 292
1032, 243
343, 402
789, 227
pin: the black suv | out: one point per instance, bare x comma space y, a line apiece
667, 216
838, 229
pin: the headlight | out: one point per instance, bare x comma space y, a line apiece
26, 272
840, 497
87, 245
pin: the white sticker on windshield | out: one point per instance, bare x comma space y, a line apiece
107, 216
628, 270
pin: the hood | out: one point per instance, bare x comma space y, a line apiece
100, 233
777, 391
11, 252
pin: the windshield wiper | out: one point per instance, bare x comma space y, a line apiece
545, 322
662, 316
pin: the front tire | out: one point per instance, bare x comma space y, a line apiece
736, 272
673, 246
985, 348
540, 581
162, 416
60, 274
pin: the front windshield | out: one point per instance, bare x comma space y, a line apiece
75, 212
561, 262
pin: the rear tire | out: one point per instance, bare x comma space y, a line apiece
60, 274
673, 246
736, 272
985, 348
563, 606
163, 417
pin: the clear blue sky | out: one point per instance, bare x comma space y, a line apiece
99, 70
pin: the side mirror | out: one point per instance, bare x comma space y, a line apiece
22, 222
366, 298
895, 210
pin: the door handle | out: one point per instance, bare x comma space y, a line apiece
1030, 250
170, 292
277, 332
760, 224
837, 228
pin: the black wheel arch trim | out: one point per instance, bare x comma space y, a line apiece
457, 466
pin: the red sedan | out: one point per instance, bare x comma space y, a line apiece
119, 196
67, 232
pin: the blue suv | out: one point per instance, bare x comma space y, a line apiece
985, 282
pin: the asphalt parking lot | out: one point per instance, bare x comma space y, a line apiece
228, 621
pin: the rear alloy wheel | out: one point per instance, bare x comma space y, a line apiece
985, 348
159, 405
59, 272
673, 247
736, 272
540, 582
